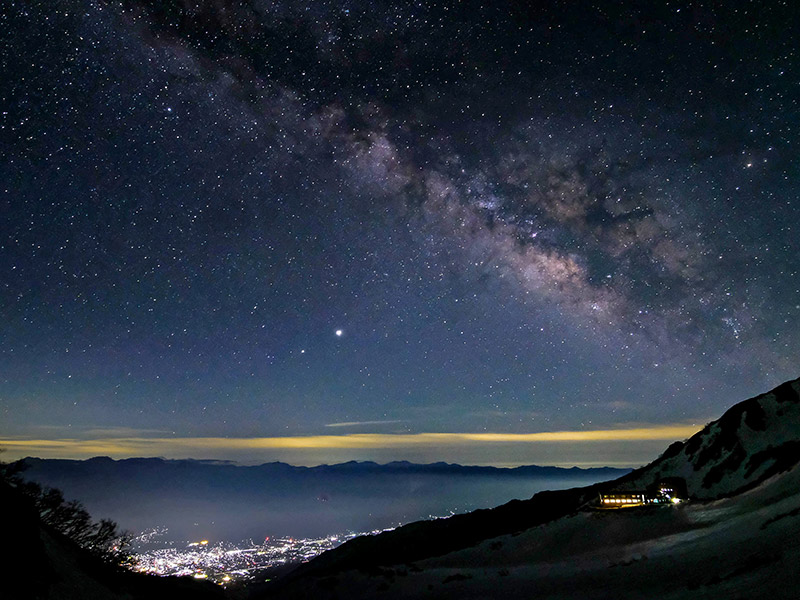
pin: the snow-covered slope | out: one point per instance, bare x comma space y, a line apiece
753, 440
746, 546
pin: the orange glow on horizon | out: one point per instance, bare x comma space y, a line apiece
161, 446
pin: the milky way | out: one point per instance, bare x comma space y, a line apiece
262, 219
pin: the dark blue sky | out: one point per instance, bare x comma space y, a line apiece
520, 220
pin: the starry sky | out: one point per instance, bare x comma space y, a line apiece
314, 231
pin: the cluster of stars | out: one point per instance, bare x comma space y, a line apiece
525, 208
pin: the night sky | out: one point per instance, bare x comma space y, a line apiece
319, 229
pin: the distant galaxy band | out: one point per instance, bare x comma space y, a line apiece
224, 222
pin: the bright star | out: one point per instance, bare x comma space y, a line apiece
339, 333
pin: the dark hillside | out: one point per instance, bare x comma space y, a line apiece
425, 539
46, 565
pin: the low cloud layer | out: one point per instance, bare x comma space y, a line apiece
493, 448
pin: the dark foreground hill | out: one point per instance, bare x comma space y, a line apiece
739, 537
41, 563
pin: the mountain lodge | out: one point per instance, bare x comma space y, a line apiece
668, 490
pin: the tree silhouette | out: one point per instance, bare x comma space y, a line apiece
70, 517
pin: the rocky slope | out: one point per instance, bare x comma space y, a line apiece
752, 441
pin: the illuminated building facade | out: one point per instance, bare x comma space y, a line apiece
619, 499
670, 490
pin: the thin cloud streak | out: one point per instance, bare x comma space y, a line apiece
361, 423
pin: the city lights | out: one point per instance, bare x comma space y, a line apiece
227, 562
